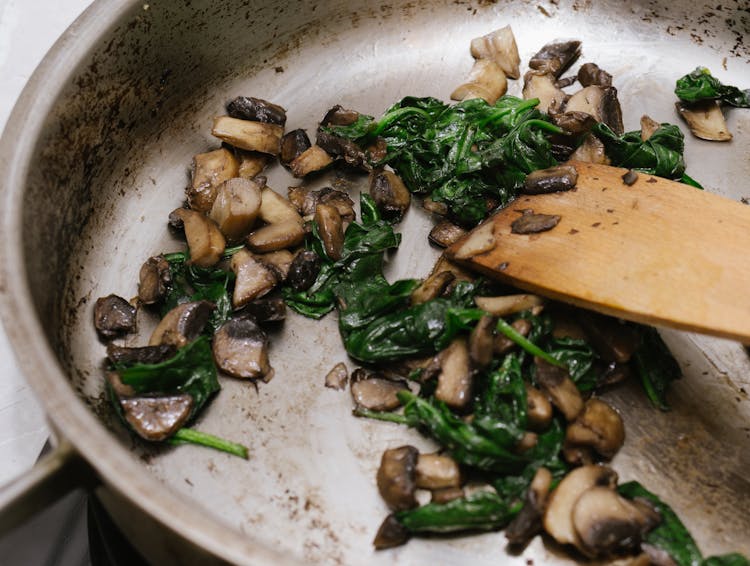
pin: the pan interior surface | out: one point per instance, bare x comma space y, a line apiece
117, 146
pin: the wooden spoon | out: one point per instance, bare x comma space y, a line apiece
657, 251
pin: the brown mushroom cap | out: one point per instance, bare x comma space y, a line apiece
389, 193
445, 233
304, 270
113, 316
267, 309
550, 180
432, 287
396, 477
538, 409
481, 341
374, 392
590, 74
601, 103
293, 144
455, 380
437, 471
240, 349
153, 280
555, 57
157, 418
598, 426
182, 324
558, 386
143, 355
256, 109
331, 229
391, 533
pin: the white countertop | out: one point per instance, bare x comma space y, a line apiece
28, 28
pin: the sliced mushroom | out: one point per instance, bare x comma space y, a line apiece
481, 342
437, 471
391, 533
293, 144
556, 56
531, 222
236, 207
432, 287
154, 279
390, 194
114, 316
311, 160
444, 264
251, 163
240, 349
558, 518
527, 442
396, 477
573, 122
279, 261
505, 305
705, 120
479, 241
331, 230
499, 46
182, 324
455, 381
337, 377
340, 116
503, 344
543, 87
558, 386
256, 109
143, 355
648, 127
337, 146
538, 409
304, 270
306, 200
157, 418
590, 74
274, 237
251, 136
446, 494
445, 233
606, 523
598, 426
253, 278
435, 207
550, 180
275, 209
267, 309
528, 522
601, 103
486, 81
373, 392
204, 239
613, 340
209, 170
591, 150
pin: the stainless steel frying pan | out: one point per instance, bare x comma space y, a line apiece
95, 156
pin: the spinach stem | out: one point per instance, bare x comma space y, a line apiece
382, 416
530, 347
386, 120
192, 436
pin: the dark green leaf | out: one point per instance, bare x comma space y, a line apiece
701, 85
726, 560
656, 366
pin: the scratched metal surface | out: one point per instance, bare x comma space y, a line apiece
115, 144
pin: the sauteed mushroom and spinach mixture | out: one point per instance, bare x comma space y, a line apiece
507, 384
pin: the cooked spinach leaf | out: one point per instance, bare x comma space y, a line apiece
700, 84
726, 560
655, 366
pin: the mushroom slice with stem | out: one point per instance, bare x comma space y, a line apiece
601, 103
157, 418
274, 237
390, 194
142, 355
209, 170
705, 120
550, 180
253, 278
558, 517
267, 309
331, 230
445, 233
182, 324
236, 207
374, 392
599, 427
240, 349
251, 136
336, 146
538, 409
396, 477
304, 270
256, 109
555, 57
505, 305
499, 46
432, 287
606, 523
312, 160
543, 87
482, 341
275, 209
204, 239
437, 471
114, 316
528, 522
590, 74
558, 386
153, 280
279, 261
455, 381
486, 81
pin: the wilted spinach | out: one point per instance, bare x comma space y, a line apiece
655, 366
463, 154
700, 84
